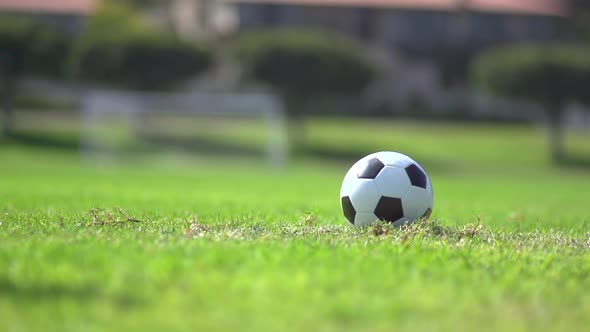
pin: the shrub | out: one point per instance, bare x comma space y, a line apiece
304, 63
118, 48
27, 47
550, 75
31, 47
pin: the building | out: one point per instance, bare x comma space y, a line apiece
193, 19
429, 42
69, 14
412, 25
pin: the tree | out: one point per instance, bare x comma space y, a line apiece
27, 47
118, 48
578, 26
549, 75
301, 65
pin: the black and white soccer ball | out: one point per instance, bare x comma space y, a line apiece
386, 186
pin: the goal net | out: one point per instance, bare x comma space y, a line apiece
204, 123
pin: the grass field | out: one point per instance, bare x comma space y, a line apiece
227, 244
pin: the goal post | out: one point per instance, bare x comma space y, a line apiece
111, 117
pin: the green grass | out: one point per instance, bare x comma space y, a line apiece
227, 244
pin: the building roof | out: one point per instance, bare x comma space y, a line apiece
78, 7
528, 7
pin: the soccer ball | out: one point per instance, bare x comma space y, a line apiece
387, 186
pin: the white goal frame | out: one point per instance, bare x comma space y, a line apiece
97, 104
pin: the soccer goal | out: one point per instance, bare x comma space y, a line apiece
202, 122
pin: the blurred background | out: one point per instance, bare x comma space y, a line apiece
445, 81
156, 154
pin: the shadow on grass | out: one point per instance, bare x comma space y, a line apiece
192, 145
46, 141
576, 162
352, 156
213, 147
52, 292
203, 145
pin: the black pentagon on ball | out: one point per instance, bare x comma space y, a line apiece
389, 209
417, 176
348, 209
370, 169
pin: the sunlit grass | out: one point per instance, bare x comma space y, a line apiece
202, 243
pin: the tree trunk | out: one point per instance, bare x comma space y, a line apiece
7, 91
296, 125
556, 133
296, 133
7, 105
